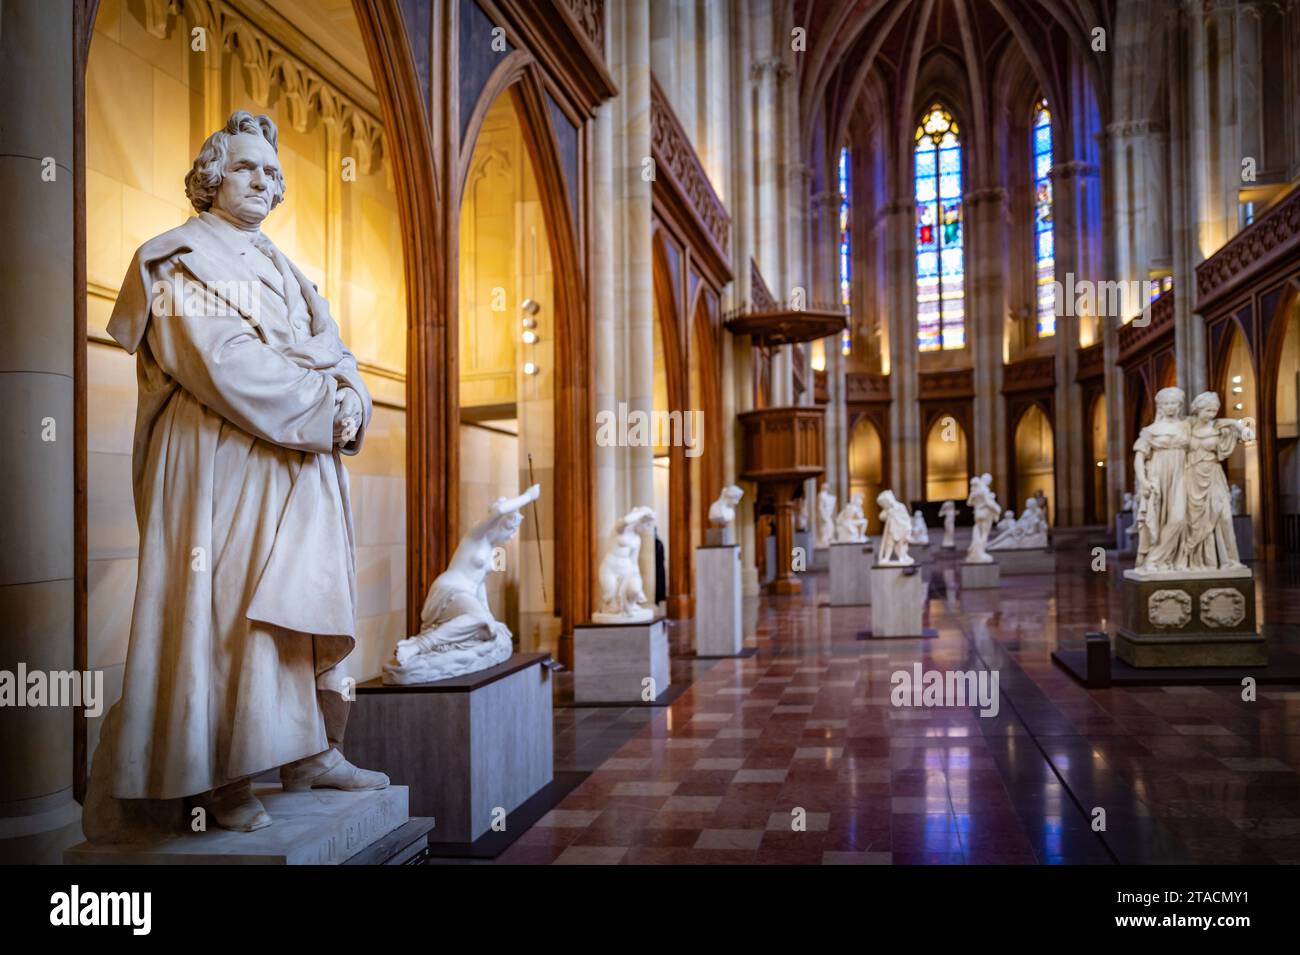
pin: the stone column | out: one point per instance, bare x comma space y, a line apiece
904, 385
37, 429
986, 211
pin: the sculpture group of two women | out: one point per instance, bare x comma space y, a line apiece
1184, 506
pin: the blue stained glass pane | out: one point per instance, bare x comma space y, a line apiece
1045, 245
927, 264
1042, 165
925, 190
924, 162
950, 187
1042, 139
950, 160
940, 266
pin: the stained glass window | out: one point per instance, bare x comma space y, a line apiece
846, 253
1044, 239
940, 264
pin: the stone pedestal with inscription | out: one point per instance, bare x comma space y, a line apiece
1172, 620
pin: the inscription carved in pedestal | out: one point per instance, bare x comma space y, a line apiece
1223, 607
1169, 608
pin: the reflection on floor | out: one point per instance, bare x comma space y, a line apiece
805, 730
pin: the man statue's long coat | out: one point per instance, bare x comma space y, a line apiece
247, 577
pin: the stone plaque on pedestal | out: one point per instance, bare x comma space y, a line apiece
611, 662
897, 601
851, 574
1190, 622
980, 576
1015, 561
464, 746
718, 620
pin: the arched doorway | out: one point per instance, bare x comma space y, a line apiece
707, 478
1097, 435
1239, 400
1286, 421
672, 476
568, 540
1034, 461
865, 470
506, 352
947, 460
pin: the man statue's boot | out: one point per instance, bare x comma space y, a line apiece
329, 770
234, 806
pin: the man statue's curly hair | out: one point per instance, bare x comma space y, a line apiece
204, 178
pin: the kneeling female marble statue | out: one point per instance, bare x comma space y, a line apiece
458, 633
245, 600
622, 594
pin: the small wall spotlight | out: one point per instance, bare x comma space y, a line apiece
530, 368
530, 337
529, 306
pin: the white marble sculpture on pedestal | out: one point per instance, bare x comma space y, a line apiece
1127, 505
1184, 516
851, 522
1030, 531
622, 594
458, 633
948, 511
920, 533
896, 532
826, 501
722, 512
248, 398
984, 505
1005, 522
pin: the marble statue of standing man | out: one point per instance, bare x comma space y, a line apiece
246, 595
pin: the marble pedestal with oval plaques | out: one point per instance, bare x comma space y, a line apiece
1176, 620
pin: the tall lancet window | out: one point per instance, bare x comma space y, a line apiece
940, 265
1044, 239
846, 254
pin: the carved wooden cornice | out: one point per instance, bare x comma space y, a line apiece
866, 387
1271, 239
1091, 362
682, 186
950, 383
759, 294
309, 89
1137, 341
568, 37
1029, 374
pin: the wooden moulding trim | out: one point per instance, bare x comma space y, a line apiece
682, 188
957, 383
867, 388
1270, 239
1091, 363
553, 34
430, 428
1137, 341
1032, 374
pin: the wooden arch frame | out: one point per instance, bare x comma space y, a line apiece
521, 77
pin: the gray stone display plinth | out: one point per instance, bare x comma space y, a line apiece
897, 601
1026, 560
612, 661
465, 746
718, 620
980, 576
851, 574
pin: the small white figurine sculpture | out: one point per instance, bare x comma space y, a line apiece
920, 533
1128, 501
1184, 515
1238, 499
948, 511
897, 529
622, 595
458, 633
723, 511
826, 516
1030, 531
985, 506
1006, 521
851, 522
